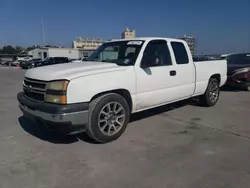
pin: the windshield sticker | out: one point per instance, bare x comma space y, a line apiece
134, 42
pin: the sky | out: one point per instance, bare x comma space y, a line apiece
219, 26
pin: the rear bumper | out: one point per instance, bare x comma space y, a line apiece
67, 119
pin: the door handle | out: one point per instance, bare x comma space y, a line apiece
172, 73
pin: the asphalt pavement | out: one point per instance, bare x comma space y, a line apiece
176, 146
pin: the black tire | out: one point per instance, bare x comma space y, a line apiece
205, 99
96, 106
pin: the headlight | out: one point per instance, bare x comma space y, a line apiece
57, 85
56, 92
242, 70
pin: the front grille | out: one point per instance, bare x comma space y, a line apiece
34, 89
34, 96
35, 83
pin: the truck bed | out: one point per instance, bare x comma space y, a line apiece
204, 69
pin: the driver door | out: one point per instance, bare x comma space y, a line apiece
156, 77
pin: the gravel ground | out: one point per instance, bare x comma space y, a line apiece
175, 146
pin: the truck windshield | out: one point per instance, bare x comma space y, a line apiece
122, 53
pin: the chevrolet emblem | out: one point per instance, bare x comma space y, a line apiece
29, 88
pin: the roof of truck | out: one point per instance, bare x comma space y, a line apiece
147, 38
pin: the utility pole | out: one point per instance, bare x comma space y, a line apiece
42, 29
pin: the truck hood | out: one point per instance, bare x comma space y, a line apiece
70, 71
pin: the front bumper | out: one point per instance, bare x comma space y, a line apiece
237, 82
67, 119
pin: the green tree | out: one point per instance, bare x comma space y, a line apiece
18, 49
8, 50
30, 48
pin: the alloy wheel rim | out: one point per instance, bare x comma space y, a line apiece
111, 118
214, 92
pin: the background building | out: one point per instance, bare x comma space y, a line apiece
128, 34
41, 53
191, 43
87, 44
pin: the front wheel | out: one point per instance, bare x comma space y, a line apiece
212, 93
108, 117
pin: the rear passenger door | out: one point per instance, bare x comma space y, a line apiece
158, 83
185, 70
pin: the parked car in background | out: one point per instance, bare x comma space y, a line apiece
27, 64
224, 56
79, 60
2, 62
239, 70
120, 78
15, 63
200, 58
5, 63
50, 61
23, 57
197, 58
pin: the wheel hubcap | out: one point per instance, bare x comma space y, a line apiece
111, 118
214, 92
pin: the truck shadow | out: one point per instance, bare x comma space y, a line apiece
159, 110
44, 134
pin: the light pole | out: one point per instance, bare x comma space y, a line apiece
42, 29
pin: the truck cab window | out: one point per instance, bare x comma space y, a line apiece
157, 53
180, 53
122, 53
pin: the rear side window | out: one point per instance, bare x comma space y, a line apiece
180, 53
157, 53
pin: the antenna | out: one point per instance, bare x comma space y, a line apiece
42, 29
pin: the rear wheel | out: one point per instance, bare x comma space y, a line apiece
212, 93
108, 117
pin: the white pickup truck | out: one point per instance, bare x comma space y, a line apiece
120, 78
